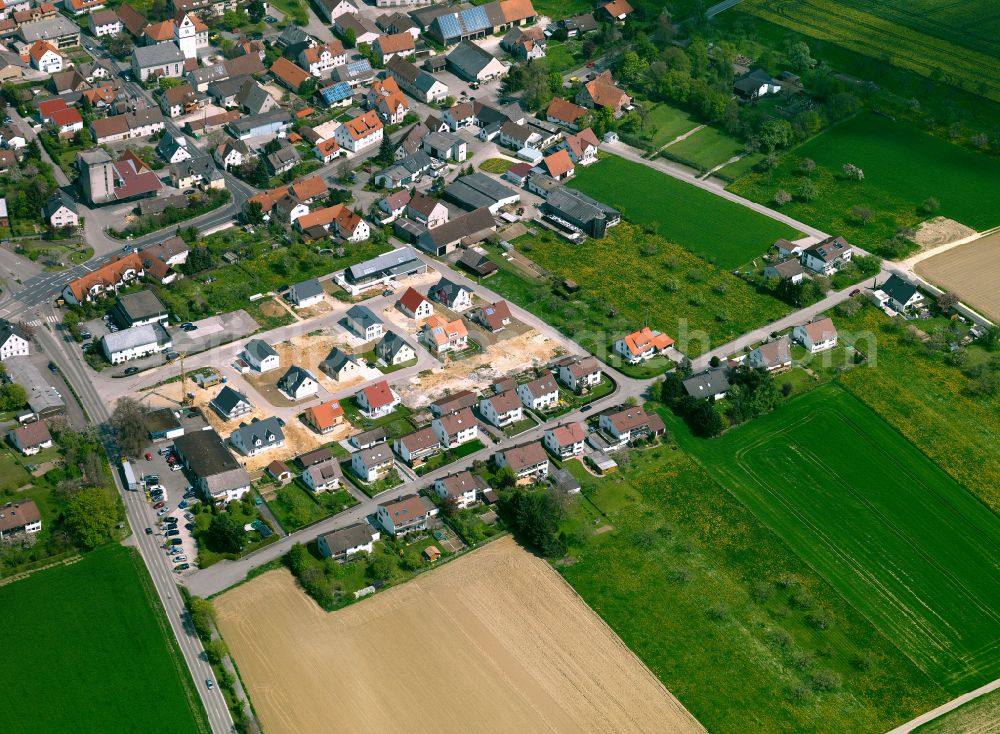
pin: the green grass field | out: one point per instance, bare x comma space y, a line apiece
902, 165
702, 592
740, 168
870, 512
88, 650
955, 41
978, 715
718, 230
706, 148
669, 123
628, 276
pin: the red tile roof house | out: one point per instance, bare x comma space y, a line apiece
441, 335
817, 336
582, 147
371, 463
289, 74
325, 417
463, 486
540, 394
415, 447
630, 424
378, 400
563, 112
109, 277
31, 438
642, 345
559, 165
406, 514
602, 92
502, 410
494, 317
565, 441
580, 374
19, 517
413, 304
529, 463
398, 44
454, 429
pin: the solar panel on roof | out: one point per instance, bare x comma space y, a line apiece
450, 27
357, 67
475, 19
336, 92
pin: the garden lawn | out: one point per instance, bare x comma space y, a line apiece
708, 225
669, 123
559, 9
870, 513
903, 167
929, 402
740, 168
498, 166
295, 506
93, 652
700, 590
620, 286
706, 148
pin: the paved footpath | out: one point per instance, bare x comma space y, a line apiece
945, 708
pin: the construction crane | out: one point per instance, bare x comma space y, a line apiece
184, 392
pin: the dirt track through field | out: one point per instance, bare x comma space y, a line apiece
971, 271
492, 642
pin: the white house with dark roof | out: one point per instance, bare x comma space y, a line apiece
365, 324
230, 403
540, 394
298, 383
711, 384
452, 295
393, 349
898, 294
816, 336
261, 356
13, 341
349, 541
340, 366
258, 437
305, 294
417, 446
827, 256
372, 463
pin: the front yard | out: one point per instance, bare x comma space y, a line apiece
295, 506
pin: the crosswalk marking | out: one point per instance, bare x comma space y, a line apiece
52, 319
36, 322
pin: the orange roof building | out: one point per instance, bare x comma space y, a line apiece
642, 345
559, 165
108, 277
289, 74
325, 416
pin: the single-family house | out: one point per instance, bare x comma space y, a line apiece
371, 464
755, 84
364, 131
417, 446
305, 294
322, 477
31, 438
258, 437
463, 487
365, 324
388, 47
580, 373
529, 463
13, 341
827, 256
369, 438
393, 350
899, 294
539, 394
502, 409
631, 424
565, 113
772, 356
816, 336
230, 403
340, 365
413, 304
601, 91
582, 147
712, 384
60, 210
453, 402
19, 517
406, 515
642, 345
261, 356
354, 539
493, 317
426, 211
441, 335
325, 417
298, 383
452, 295
377, 400
790, 270
454, 429
565, 441
320, 60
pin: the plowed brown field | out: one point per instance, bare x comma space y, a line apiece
495, 641
972, 271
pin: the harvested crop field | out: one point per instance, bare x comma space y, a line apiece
970, 271
494, 641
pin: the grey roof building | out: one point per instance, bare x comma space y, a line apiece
341, 542
259, 350
253, 125
142, 307
231, 403
708, 384
258, 436
588, 215
391, 345
146, 57
305, 291
390, 265
151, 336
470, 228
43, 399
468, 60
217, 472
335, 362
479, 190
59, 199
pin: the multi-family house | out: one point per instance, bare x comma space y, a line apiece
502, 409
529, 463
258, 437
417, 446
454, 429
372, 463
580, 373
827, 256
565, 441
540, 394
463, 487
406, 515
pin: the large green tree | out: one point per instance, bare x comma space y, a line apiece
91, 515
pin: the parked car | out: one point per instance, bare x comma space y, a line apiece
170, 519
855, 292
182, 567
159, 504
175, 467
165, 450
163, 512
173, 533
180, 559
152, 479
173, 541
182, 504
188, 516
131, 371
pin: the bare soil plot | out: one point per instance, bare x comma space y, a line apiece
970, 271
494, 641
941, 231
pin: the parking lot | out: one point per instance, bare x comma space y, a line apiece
174, 484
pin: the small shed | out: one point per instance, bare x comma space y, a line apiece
431, 553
